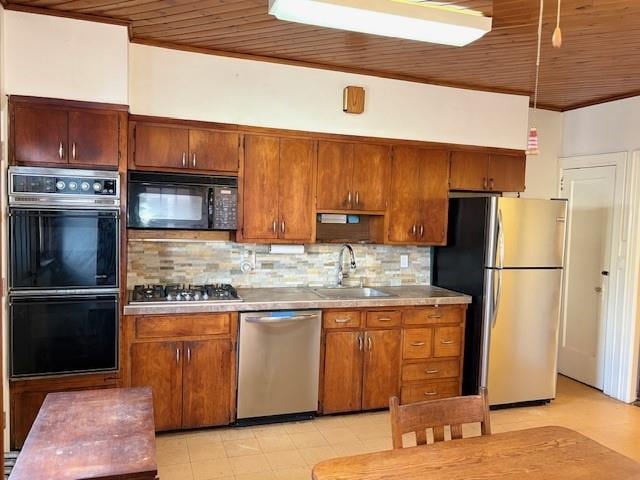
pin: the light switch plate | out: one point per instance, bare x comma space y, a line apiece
404, 261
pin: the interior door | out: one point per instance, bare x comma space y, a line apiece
342, 384
260, 181
161, 147
381, 368
296, 190
434, 201
93, 138
207, 378
404, 214
213, 151
370, 177
335, 172
40, 135
159, 366
589, 229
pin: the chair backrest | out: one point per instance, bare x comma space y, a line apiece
436, 414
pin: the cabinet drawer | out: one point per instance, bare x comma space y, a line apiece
430, 370
384, 319
433, 315
447, 342
156, 326
417, 343
430, 391
347, 319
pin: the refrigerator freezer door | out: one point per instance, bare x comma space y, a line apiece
523, 345
530, 233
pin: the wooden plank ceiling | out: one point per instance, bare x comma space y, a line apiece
599, 61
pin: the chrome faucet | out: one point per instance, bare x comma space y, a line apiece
352, 264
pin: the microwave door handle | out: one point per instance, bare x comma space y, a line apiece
210, 208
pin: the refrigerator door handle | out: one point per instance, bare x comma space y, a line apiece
496, 299
500, 254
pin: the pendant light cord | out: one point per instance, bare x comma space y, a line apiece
535, 93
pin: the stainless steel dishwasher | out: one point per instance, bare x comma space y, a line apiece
278, 364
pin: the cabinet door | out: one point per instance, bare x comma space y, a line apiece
434, 202
40, 135
381, 368
469, 171
342, 385
206, 390
161, 147
159, 366
370, 177
213, 151
93, 138
335, 171
507, 173
296, 190
260, 183
404, 214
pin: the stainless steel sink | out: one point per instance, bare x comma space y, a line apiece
350, 292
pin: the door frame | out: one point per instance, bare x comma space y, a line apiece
621, 342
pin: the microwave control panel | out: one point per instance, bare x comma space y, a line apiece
225, 208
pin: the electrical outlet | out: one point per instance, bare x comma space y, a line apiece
404, 261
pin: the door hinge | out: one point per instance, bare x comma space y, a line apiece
562, 183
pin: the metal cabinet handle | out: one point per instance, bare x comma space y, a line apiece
357, 198
431, 372
413, 230
342, 320
421, 230
369, 343
73, 150
384, 319
194, 160
184, 159
447, 342
417, 344
274, 226
430, 394
485, 185
177, 355
491, 184
349, 197
434, 316
61, 151
360, 342
188, 355
282, 226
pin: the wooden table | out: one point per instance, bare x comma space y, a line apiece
546, 453
105, 434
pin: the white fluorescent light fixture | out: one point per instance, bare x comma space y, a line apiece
389, 18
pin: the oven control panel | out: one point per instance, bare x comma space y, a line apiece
46, 185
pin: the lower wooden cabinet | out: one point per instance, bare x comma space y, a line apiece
190, 364
342, 372
381, 367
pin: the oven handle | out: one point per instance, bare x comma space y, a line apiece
78, 212
68, 296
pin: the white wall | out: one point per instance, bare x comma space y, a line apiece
205, 87
542, 169
604, 128
63, 58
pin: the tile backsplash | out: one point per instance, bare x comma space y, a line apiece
219, 262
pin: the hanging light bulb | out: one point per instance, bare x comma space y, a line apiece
533, 147
556, 39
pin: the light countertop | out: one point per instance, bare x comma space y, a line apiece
301, 298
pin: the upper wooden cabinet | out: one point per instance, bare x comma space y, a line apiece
487, 172
169, 147
277, 182
57, 132
352, 176
419, 198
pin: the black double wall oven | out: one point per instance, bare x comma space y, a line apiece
64, 241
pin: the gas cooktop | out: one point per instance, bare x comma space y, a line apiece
183, 293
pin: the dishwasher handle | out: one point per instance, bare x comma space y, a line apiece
272, 320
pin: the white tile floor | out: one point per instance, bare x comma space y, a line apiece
288, 451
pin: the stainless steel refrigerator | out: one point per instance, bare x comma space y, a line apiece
508, 254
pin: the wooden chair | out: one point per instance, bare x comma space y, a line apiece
436, 414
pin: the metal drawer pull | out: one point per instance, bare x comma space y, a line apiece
431, 372
384, 319
430, 394
447, 342
434, 316
342, 320
417, 344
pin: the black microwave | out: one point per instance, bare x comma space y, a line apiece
179, 201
